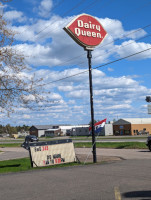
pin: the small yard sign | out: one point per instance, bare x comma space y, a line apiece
52, 153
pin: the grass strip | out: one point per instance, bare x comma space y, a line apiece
110, 138
114, 145
15, 165
10, 145
23, 164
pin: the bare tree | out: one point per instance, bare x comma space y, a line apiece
16, 88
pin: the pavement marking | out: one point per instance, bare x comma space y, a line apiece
117, 193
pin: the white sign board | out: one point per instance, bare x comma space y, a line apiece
52, 153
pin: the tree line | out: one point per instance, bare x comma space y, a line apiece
8, 129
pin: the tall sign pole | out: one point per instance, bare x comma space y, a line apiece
89, 56
88, 33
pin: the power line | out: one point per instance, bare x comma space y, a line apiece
121, 46
68, 12
57, 5
100, 46
123, 36
90, 5
77, 5
96, 67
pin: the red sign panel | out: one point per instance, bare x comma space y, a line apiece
86, 31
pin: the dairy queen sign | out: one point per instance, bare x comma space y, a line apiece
88, 32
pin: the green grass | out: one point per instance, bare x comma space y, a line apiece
23, 164
117, 145
10, 145
114, 145
16, 165
109, 138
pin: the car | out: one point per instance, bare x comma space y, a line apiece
29, 138
142, 132
148, 142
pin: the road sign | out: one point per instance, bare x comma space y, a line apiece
86, 30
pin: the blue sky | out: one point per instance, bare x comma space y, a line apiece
119, 88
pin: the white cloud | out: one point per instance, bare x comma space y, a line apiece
125, 50
115, 29
46, 44
65, 88
14, 16
54, 47
45, 8
26, 116
110, 69
24, 33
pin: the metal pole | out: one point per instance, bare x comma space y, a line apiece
89, 56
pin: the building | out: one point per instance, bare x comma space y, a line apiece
52, 132
66, 129
39, 130
108, 129
79, 131
56, 130
84, 131
62, 130
132, 126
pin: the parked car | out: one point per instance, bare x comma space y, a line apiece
142, 132
29, 138
148, 142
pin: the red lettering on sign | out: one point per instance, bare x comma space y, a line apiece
59, 160
44, 148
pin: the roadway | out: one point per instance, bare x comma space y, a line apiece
98, 139
121, 180
126, 176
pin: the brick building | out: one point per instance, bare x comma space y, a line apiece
132, 126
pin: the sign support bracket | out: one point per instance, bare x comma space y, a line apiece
89, 56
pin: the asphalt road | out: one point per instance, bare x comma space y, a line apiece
125, 179
13, 153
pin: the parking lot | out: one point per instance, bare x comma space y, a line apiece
12, 153
124, 179
125, 175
